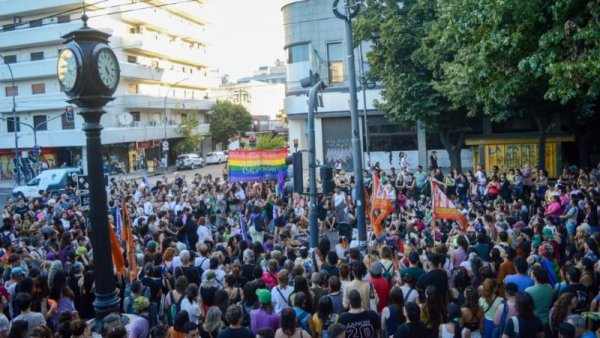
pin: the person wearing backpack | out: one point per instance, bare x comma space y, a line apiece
174, 298
140, 326
323, 319
507, 309
257, 225
301, 315
525, 323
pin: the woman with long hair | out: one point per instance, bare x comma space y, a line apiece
489, 302
289, 327
528, 324
88, 295
212, 324
392, 315
174, 296
301, 285
562, 308
323, 318
451, 327
432, 310
191, 303
40, 297
472, 313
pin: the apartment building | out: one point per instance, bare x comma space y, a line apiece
164, 78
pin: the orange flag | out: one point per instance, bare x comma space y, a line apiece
443, 207
382, 203
117, 255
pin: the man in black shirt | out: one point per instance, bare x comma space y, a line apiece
579, 290
436, 276
234, 316
359, 323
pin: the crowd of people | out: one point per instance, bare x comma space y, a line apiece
225, 260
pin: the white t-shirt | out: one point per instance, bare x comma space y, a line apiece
193, 309
280, 297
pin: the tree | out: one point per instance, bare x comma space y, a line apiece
397, 58
191, 139
269, 141
228, 120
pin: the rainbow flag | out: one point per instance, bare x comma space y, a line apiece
256, 165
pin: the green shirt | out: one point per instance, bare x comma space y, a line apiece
542, 300
414, 271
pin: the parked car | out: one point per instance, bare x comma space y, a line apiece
52, 180
189, 161
216, 157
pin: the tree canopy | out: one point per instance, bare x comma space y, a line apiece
228, 120
269, 141
191, 139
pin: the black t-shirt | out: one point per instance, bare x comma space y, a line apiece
190, 272
528, 327
248, 271
360, 325
581, 293
416, 330
155, 286
236, 333
437, 278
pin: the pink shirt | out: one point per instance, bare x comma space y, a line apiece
512, 311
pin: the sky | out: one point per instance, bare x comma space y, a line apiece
244, 34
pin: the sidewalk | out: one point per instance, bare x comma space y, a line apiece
137, 175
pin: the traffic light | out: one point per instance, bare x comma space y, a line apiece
295, 160
252, 140
327, 184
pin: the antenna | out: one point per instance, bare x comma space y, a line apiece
84, 16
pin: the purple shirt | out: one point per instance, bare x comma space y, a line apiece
260, 319
139, 327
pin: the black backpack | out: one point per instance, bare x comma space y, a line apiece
259, 223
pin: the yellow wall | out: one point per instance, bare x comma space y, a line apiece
507, 156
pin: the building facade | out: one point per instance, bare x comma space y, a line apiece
164, 78
315, 42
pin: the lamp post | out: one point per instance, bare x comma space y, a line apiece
349, 13
88, 72
164, 147
15, 125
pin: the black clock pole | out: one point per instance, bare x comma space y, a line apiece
91, 95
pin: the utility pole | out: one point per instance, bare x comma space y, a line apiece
15, 124
350, 12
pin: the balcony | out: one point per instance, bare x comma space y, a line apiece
155, 44
36, 36
31, 103
33, 69
157, 102
157, 75
161, 20
192, 11
17, 8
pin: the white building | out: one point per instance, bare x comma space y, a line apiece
315, 41
162, 56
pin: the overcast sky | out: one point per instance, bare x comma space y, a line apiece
245, 34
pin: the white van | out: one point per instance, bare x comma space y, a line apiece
52, 180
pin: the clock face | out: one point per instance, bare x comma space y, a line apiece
108, 68
67, 69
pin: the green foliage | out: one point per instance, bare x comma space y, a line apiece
269, 141
191, 139
228, 120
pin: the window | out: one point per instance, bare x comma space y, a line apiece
8, 27
35, 23
134, 89
11, 91
37, 56
39, 122
64, 18
131, 59
10, 126
298, 53
10, 59
335, 60
135, 116
66, 124
38, 88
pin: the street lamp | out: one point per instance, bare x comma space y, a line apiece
165, 145
14, 111
350, 12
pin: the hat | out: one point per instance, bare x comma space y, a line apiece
81, 250
547, 232
50, 256
152, 245
211, 275
520, 225
376, 269
264, 296
140, 304
51, 202
40, 216
18, 271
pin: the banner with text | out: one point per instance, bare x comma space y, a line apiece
256, 165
